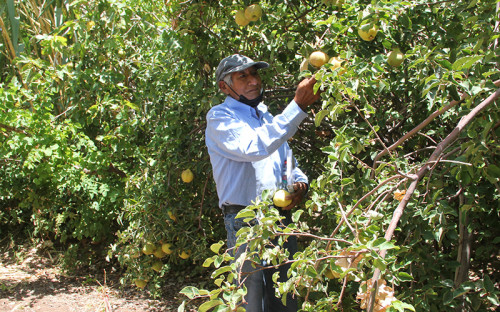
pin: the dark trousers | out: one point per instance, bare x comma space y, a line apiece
260, 286
271, 302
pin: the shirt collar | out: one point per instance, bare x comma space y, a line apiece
238, 106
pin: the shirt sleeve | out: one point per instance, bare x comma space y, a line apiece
298, 175
240, 140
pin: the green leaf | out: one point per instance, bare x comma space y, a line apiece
403, 276
445, 63
190, 292
402, 306
208, 262
131, 105
319, 117
488, 284
210, 304
220, 271
296, 215
493, 171
466, 62
218, 281
379, 264
493, 298
447, 297
386, 245
245, 213
311, 271
448, 283
216, 247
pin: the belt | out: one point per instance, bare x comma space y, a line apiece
232, 209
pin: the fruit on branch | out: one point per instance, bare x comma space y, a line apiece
187, 176
337, 63
367, 33
149, 249
240, 18
395, 57
253, 12
159, 253
318, 59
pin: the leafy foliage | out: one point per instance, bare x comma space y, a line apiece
102, 106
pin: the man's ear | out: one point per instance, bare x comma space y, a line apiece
223, 87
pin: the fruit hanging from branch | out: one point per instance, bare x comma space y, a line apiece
253, 12
367, 33
318, 59
187, 176
395, 57
240, 18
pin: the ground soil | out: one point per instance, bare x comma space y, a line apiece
31, 281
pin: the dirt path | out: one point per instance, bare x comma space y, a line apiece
36, 284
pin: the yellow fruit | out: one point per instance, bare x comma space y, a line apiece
279, 199
337, 63
166, 248
187, 176
240, 18
206, 68
253, 12
171, 216
318, 59
367, 34
184, 255
140, 283
395, 57
159, 253
157, 266
148, 249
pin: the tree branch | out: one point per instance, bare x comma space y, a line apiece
422, 125
452, 136
13, 129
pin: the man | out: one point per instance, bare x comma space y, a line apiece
248, 149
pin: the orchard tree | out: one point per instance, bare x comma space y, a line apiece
402, 150
102, 113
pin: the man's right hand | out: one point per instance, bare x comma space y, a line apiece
304, 95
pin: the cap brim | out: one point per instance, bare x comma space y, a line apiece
257, 65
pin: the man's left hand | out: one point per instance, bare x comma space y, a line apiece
299, 191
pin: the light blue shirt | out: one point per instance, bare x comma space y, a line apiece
248, 149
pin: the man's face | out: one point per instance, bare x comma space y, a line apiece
246, 82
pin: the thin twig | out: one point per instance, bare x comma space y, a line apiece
344, 217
